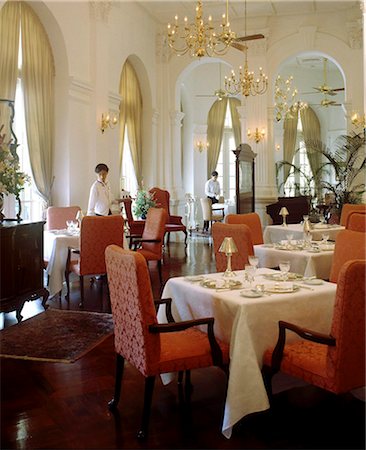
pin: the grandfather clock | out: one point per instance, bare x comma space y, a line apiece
245, 179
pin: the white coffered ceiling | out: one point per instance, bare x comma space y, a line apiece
164, 11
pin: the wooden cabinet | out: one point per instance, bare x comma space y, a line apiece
21, 265
245, 178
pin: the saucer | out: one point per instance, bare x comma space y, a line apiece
250, 294
314, 282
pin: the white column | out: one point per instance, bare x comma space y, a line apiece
174, 177
156, 151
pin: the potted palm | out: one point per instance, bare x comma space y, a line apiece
341, 172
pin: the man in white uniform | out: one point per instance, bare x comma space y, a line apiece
212, 190
100, 198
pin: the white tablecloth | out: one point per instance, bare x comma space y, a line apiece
250, 325
301, 261
56, 243
277, 233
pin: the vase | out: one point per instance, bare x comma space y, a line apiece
19, 218
1, 207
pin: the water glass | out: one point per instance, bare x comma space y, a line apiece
325, 237
284, 268
253, 261
250, 273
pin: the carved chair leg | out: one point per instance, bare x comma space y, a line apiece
120, 361
188, 386
67, 279
45, 298
81, 279
186, 236
267, 374
160, 274
149, 389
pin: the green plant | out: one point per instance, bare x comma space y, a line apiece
12, 179
343, 165
142, 203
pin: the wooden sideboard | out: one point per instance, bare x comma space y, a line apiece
21, 266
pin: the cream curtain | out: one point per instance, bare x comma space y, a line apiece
289, 141
9, 45
38, 81
311, 132
215, 130
234, 103
131, 116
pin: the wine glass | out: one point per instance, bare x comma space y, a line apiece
70, 225
253, 261
325, 237
250, 273
289, 237
284, 268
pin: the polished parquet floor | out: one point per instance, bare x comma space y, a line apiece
64, 406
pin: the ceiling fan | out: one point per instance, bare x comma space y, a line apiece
324, 88
219, 93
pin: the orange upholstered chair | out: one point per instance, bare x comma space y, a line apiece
150, 245
96, 234
136, 227
252, 220
348, 245
243, 239
356, 221
56, 216
348, 208
334, 362
173, 223
150, 347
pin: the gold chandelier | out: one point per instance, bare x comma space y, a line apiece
200, 38
246, 83
286, 104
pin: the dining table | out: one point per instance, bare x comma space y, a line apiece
55, 249
278, 233
246, 316
314, 260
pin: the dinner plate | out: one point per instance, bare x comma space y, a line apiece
314, 250
221, 284
250, 294
279, 276
194, 278
278, 289
327, 247
314, 281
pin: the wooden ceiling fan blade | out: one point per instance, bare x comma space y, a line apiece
251, 37
240, 47
338, 89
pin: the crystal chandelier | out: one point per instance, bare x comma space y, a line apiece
200, 38
286, 104
246, 84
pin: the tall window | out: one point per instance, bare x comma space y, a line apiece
129, 182
300, 182
226, 162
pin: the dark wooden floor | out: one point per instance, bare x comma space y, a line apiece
63, 406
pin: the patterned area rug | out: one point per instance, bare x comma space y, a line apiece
55, 336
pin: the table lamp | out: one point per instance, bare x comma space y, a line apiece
283, 212
228, 247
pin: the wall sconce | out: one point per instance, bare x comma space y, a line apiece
108, 121
358, 121
201, 145
278, 147
257, 136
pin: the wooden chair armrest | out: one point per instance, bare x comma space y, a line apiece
305, 333
168, 308
176, 220
180, 326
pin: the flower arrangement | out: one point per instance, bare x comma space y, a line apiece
143, 202
12, 180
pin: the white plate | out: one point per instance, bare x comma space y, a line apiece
250, 294
314, 282
221, 284
314, 250
291, 276
278, 289
194, 278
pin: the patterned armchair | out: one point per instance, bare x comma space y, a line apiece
150, 245
96, 234
252, 220
334, 362
56, 216
173, 223
150, 347
349, 245
243, 240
